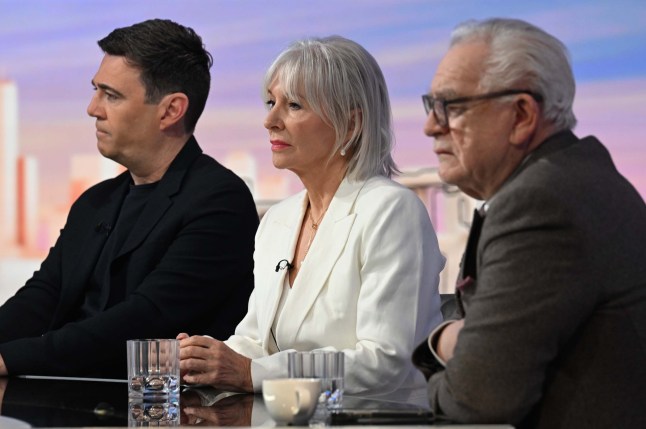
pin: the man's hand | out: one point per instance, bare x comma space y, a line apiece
448, 339
204, 360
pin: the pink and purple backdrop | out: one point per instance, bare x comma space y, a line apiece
48, 48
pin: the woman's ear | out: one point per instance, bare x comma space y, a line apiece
354, 124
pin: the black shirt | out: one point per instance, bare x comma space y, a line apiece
100, 293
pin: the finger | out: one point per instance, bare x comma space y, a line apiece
181, 336
199, 340
196, 352
195, 378
195, 366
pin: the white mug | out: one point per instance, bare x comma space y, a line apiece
291, 400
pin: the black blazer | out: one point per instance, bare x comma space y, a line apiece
187, 266
555, 315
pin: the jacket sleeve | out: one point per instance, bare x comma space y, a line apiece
29, 312
533, 292
247, 338
399, 301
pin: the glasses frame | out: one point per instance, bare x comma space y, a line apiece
432, 104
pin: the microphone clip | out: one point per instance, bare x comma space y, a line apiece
283, 264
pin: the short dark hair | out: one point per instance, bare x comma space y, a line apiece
170, 57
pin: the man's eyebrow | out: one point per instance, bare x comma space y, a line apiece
105, 87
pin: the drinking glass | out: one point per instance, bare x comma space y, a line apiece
153, 368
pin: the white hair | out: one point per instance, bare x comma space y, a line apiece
523, 56
344, 85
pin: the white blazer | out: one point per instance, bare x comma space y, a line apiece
368, 287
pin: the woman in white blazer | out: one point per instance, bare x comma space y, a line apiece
351, 263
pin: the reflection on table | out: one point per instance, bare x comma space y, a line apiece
146, 414
228, 410
59, 402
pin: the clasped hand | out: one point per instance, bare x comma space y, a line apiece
204, 360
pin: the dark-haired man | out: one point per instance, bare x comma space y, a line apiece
163, 248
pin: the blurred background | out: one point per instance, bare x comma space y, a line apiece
48, 56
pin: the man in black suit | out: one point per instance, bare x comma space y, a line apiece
165, 247
551, 330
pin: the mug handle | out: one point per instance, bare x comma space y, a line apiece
301, 405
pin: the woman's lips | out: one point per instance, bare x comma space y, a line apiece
278, 145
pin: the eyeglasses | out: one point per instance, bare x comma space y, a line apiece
438, 105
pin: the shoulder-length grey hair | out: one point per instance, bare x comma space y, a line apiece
524, 56
344, 85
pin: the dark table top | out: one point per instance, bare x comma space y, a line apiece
57, 402
60, 402
65, 403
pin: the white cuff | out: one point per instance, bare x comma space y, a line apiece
433, 337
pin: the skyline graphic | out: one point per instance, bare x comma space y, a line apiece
52, 60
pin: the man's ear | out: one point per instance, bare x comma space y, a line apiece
528, 115
172, 108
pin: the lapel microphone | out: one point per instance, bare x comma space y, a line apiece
283, 264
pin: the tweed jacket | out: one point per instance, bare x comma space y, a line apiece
555, 301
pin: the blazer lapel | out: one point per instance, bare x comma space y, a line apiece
161, 199
77, 281
283, 233
468, 266
326, 248
155, 208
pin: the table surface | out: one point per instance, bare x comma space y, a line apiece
65, 402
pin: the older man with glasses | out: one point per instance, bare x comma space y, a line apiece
550, 329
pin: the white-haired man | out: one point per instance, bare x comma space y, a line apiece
551, 327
